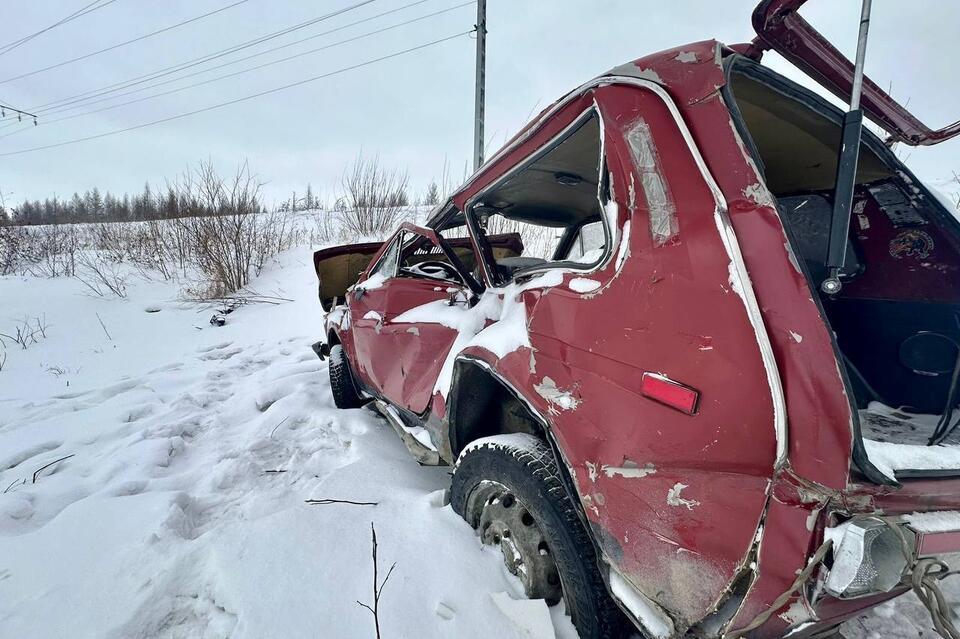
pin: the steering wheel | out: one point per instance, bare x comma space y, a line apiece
438, 269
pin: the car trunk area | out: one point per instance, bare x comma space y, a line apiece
897, 317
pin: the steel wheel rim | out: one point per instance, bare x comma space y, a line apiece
503, 520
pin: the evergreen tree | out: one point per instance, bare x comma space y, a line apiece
432, 198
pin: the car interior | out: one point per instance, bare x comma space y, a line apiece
419, 257
553, 202
897, 317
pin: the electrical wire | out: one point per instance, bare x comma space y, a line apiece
96, 98
242, 71
123, 84
229, 75
240, 99
124, 43
780, 601
4, 107
79, 13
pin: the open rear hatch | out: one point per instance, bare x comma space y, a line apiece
896, 317
780, 28
881, 253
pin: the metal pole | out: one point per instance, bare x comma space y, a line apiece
861, 55
481, 83
847, 166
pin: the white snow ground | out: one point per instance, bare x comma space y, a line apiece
181, 512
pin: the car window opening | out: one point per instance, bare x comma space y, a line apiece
452, 228
552, 204
897, 318
386, 266
419, 257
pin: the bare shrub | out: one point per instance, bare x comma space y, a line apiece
43, 251
234, 240
3, 356
117, 242
373, 200
325, 228
101, 274
165, 248
13, 246
538, 241
374, 605
56, 249
28, 332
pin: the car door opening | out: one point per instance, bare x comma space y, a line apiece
553, 201
897, 318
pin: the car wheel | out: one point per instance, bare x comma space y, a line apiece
342, 384
508, 488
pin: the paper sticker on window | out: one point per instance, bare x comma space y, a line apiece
663, 214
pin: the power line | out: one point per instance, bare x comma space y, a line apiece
19, 113
88, 97
79, 13
240, 99
128, 102
123, 44
241, 71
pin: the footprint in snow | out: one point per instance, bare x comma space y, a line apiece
126, 488
28, 453
207, 349
221, 354
174, 366
138, 413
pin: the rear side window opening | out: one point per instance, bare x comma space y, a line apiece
897, 318
554, 201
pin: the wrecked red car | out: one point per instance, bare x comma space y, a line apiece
661, 397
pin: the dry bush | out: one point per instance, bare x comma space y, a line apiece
55, 250
374, 605
27, 333
43, 251
101, 274
165, 248
233, 241
13, 246
538, 241
325, 228
374, 198
116, 241
215, 230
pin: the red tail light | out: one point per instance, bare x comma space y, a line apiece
673, 394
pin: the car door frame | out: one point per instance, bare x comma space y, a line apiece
383, 347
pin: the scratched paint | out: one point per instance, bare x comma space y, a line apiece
557, 398
674, 498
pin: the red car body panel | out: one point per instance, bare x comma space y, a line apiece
780, 27
680, 505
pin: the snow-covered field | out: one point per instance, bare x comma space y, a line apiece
180, 511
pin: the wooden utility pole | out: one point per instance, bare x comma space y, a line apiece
481, 83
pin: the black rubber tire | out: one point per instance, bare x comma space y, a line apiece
526, 465
342, 385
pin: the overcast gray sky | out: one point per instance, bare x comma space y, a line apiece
414, 110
